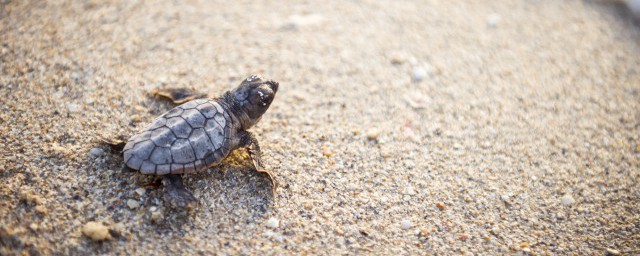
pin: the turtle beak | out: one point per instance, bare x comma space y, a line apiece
274, 85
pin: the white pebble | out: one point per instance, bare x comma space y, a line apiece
72, 107
409, 191
133, 203
273, 223
140, 191
613, 251
493, 20
299, 21
418, 74
96, 151
406, 224
568, 200
75, 75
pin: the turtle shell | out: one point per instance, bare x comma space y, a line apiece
188, 138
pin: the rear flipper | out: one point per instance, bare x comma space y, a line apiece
175, 194
179, 95
116, 144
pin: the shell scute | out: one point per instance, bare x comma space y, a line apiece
185, 139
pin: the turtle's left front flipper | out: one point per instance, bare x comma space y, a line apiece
249, 141
178, 95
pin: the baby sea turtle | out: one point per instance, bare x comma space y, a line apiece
199, 134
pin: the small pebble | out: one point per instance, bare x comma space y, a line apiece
373, 134
298, 21
96, 152
424, 232
273, 235
493, 20
139, 108
135, 118
96, 231
273, 223
133, 204
612, 251
140, 191
398, 59
157, 216
418, 74
41, 209
72, 107
326, 152
118, 229
568, 200
409, 191
406, 224
440, 206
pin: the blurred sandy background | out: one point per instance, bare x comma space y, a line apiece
401, 127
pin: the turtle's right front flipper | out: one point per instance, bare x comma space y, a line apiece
178, 95
249, 141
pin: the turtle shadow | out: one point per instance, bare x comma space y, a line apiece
235, 188
231, 192
225, 194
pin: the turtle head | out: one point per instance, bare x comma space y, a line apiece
254, 96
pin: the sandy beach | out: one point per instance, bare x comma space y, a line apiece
400, 127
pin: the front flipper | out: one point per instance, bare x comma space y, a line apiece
249, 141
178, 95
175, 194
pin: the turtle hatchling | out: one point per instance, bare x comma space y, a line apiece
199, 134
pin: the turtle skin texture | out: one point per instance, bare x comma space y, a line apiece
186, 139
